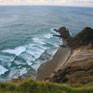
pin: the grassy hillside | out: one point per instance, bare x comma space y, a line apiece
33, 86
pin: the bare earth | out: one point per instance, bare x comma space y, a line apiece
59, 60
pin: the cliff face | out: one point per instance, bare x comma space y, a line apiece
79, 68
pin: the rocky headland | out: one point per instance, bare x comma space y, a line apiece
83, 38
79, 67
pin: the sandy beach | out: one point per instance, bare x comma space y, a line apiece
59, 60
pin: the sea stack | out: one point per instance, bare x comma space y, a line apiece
64, 33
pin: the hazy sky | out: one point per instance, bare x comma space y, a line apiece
48, 2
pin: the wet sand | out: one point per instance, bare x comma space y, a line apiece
59, 60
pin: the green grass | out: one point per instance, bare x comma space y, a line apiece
34, 86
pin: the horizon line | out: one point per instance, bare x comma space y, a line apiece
46, 5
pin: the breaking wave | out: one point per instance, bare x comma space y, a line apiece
18, 61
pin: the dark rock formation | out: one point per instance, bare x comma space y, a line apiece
64, 33
85, 37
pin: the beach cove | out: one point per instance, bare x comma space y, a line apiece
56, 63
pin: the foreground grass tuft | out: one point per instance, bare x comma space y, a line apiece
34, 86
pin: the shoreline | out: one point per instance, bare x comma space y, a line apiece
57, 62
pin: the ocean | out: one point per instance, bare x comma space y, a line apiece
26, 35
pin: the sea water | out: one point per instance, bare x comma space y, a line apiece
26, 35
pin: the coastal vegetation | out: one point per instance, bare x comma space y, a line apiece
34, 86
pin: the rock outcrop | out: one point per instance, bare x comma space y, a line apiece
85, 37
64, 33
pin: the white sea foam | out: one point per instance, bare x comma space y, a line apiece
35, 51
2, 70
36, 66
15, 51
30, 46
70, 33
48, 35
39, 62
14, 73
54, 52
6, 58
29, 58
52, 29
32, 53
18, 62
23, 71
37, 40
